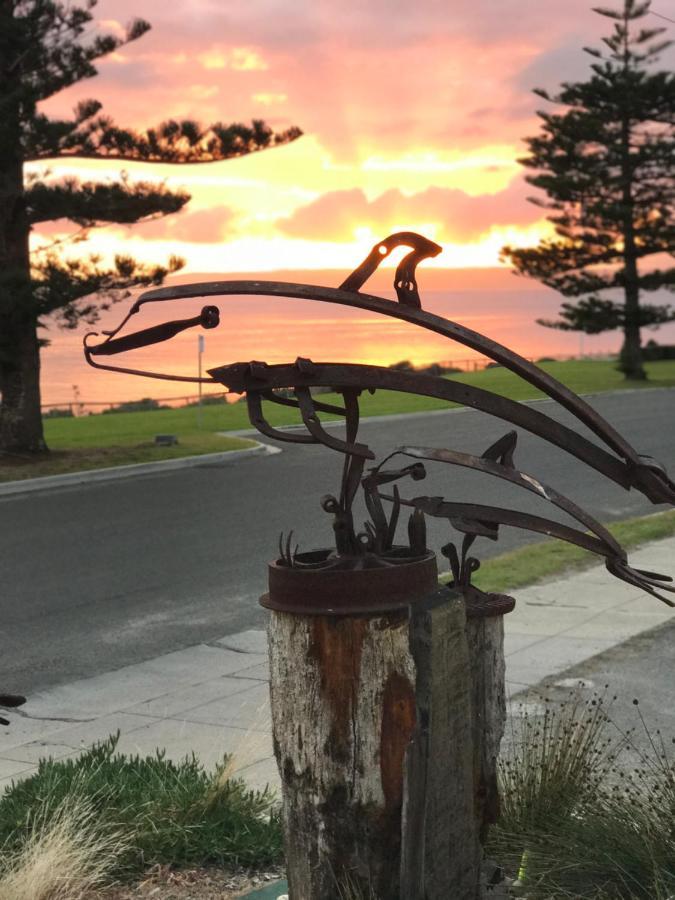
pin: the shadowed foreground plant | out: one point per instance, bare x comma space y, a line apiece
579, 821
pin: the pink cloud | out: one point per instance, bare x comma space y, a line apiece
335, 215
202, 226
379, 74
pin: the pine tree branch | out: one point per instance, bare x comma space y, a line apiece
74, 290
171, 142
49, 50
88, 203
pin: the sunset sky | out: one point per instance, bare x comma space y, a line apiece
413, 117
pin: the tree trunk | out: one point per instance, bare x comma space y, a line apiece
630, 358
372, 734
20, 419
20, 415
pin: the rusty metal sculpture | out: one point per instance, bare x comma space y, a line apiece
374, 548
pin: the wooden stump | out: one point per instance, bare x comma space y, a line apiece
375, 754
485, 638
441, 851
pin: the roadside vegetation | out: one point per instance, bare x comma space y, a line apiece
89, 442
586, 809
114, 816
586, 813
15, 467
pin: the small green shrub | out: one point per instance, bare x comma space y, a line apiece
173, 813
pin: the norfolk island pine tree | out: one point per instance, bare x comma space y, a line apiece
43, 50
607, 165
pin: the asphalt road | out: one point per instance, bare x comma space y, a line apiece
99, 576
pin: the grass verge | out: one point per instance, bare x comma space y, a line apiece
83, 458
91, 442
582, 376
170, 813
545, 559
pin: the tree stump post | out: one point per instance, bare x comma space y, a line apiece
485, 639
374, 752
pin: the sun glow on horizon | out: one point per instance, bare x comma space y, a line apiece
265, 254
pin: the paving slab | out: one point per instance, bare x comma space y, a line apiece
33, 752
115, 691
175, 703
210, 743
252, 641
246, 709
12, 768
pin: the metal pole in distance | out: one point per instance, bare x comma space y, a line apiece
200, 351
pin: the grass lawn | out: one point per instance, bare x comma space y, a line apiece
106, 440
99, 455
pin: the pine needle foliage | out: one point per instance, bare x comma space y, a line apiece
606, 164
47, 46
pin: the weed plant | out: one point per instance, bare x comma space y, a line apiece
587, 811
171, 813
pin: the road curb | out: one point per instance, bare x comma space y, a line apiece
113, 473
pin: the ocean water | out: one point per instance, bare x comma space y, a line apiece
280, 329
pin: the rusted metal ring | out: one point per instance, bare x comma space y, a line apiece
480, 605
336, 591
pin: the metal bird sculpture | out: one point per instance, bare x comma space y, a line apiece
611, 455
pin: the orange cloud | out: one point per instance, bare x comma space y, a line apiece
460, 217
241, 59
203, 226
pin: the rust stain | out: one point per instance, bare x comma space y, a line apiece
398, 722
336, 646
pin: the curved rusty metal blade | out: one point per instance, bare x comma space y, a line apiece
259, 422
345, 375
439, 508
318, 432
453, 330
521, 479
651, 482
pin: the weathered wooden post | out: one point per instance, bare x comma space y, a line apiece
388, 705
371, 711
485, 639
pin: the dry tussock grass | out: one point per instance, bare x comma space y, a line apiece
63, 859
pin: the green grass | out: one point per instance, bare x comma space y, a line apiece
129, 428
62, 460
545, 559
89, 442
171, 813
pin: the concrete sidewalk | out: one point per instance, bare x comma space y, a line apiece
213, 698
